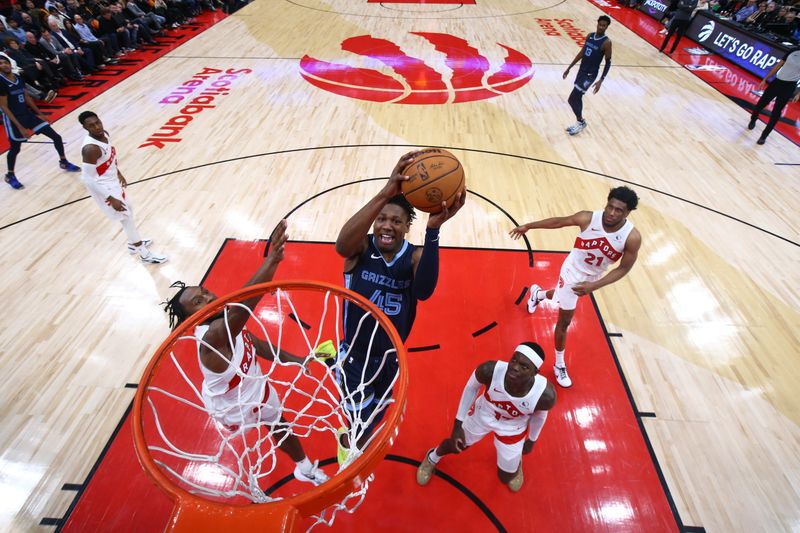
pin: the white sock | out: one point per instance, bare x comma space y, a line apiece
305, 466
560, 359
130, 229
541, 294
434, 457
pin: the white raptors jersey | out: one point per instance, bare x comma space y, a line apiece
107, 164
595, 249
507, 415
225, 394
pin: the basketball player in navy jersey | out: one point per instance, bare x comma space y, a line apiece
513, 407
22, 120
597, 46
392, 273
606, 237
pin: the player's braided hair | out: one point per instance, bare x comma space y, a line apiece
401, 201
173, 307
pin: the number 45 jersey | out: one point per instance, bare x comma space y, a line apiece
595, 249
388, 286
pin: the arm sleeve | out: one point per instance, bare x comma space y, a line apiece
89, 178
606, 68
470, 392
427, 274
535, 424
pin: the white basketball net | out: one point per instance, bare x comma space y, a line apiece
239, 464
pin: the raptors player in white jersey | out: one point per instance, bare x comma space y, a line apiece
235, 391
106, 184
513, 407
606, 237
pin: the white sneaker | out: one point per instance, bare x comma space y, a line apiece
148, 256
577, 127
315, 475
533, 299
132, 248
562, 378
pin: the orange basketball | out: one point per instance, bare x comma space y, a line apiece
436, 176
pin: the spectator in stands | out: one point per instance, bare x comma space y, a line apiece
753, 19
95, 45
746, 11
86, 57
153, 21
16, 12
36, 13
110, 50
15, 31
769, 15
67, 60
33, 71
28, 24
136, 30
174, 17
109, 28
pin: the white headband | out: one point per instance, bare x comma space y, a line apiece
528, 352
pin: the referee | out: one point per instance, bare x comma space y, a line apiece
781, 89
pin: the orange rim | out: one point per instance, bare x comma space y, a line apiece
282, 513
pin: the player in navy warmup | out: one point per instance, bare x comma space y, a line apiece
392, 273
597, 46
22, 120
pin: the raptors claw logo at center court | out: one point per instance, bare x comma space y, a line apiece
408, 80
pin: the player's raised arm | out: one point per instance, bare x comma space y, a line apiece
581, 219
220, 329
351, 240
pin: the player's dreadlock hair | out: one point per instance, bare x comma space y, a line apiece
400, 200
173, 307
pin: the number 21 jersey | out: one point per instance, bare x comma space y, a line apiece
595, 249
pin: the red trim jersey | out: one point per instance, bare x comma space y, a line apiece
595, 249
241, 387
505, 414
107, 164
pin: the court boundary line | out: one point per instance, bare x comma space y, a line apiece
643, 430
472, 150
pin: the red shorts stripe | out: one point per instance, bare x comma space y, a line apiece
511, 439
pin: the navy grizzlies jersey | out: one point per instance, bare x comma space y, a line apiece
14, 91
388, 286
592, 53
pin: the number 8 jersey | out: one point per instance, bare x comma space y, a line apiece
595, 249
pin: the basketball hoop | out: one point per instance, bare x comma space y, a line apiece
231, 478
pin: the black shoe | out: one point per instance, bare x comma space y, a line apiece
761, 140
752, 123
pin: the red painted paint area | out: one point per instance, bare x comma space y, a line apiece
589, 471
724, 76
76, 94
463, 82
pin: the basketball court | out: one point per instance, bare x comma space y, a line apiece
683, 415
